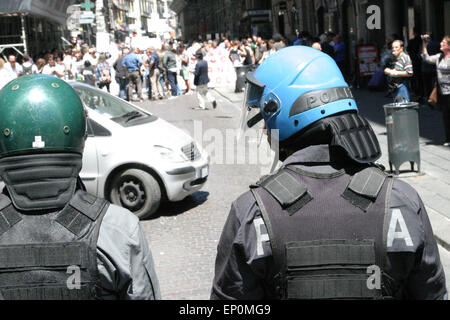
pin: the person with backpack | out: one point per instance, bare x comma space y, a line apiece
28, 66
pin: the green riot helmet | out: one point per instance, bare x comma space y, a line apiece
40, 114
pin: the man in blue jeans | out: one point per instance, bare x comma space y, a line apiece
170, 65
403, 70
122, 74
133, 64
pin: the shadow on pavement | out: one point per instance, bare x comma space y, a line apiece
169, 209
370, 104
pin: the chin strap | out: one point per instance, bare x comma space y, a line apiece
41, 181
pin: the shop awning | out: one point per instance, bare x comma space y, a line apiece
51, 10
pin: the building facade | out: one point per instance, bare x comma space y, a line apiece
206, 19
32, 28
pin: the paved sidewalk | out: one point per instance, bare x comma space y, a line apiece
433, 184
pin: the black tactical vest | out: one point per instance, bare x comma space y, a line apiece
50, 256
326, 232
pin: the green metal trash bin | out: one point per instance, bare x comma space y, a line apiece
402, 123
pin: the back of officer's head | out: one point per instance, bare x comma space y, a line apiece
40, 107
302, 95
42, 136
301, 86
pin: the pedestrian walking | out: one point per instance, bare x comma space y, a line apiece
184, 57
326, 48
103, 73
28, 66
201, 81
89, 74
133, 64
69, 60
153, 64
339, 54
57, 241
162, 71
60, 68
428, 71
237, 54
170, 65
402, 71
77, 66
442, 89
329, 224
121, 75
261, 47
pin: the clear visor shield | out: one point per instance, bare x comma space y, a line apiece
252, 118
251, 113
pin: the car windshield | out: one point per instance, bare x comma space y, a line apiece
109, 106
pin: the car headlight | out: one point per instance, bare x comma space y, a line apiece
169, 154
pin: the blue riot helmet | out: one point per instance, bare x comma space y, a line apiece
297, 87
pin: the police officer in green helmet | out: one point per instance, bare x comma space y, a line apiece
56, 240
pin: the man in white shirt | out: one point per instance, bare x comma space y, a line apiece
13, 67
68, 63
90, 55
52, 69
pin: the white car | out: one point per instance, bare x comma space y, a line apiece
135, 159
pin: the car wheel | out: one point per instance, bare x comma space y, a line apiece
137, 191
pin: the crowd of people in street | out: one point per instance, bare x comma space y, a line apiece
414, 71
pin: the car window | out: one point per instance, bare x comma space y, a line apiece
104, 104
112, 107
96, 130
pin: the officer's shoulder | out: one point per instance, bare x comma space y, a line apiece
244, 205
404, 194
120, 219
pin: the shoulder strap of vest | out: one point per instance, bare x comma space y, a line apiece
290, 193
364, 187
82, 210
8, 214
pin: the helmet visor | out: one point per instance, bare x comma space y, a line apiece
251, 112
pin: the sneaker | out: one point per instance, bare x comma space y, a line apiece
198, 108
214, 104
447, 144
172, 97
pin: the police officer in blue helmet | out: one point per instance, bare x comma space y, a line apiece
329, 223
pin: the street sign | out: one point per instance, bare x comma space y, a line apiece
87, 15
87, 5
86, 21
